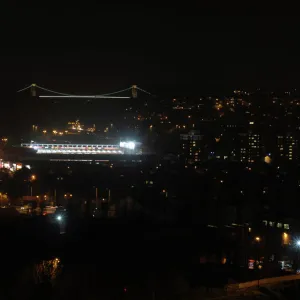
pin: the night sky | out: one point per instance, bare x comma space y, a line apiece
167, 50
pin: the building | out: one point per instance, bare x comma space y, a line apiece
287, 147
249, 148
75, 126
190, 145
68, 149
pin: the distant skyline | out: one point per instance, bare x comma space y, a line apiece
172, 51
169, 50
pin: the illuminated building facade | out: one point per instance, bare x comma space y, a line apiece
122, 148
249, 148
12, 166
287, 147
190, 144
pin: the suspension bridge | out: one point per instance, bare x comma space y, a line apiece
55, 94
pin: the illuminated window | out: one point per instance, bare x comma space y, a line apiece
285, 239
271, 224
286, 226
279, 225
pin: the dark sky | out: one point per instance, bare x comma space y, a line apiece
169, 50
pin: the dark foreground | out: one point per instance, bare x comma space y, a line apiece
108, 260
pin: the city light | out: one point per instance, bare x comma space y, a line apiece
267, 159
83, 151
257, 239
285, 238
127, 145
75, 148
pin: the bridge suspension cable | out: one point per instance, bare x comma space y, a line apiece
84, 97
54, 92
64, 95
143, 91
26, 88
128, 89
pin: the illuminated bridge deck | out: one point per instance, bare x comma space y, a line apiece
74, 148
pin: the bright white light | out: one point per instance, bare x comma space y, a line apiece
58, 218
298, 243
128, 145
112, 150
131, 145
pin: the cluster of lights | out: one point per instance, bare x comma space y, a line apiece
127, 145
70, 146
64, 151
80, 148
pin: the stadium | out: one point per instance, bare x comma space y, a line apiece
88, 149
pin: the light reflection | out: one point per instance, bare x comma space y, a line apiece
48, 270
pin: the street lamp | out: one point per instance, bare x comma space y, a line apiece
257, 240
32, 178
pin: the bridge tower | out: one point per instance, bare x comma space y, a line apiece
134, 91
33, 90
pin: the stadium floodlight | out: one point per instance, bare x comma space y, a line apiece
127, 145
